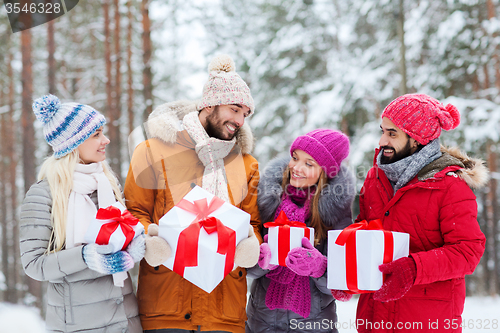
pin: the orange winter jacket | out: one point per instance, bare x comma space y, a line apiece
162, 171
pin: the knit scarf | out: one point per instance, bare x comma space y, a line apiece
401, 172
211, 152
87, 178
288, 290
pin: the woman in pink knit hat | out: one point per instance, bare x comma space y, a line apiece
311, 187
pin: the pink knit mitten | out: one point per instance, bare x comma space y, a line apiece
400, 277
341, 295
306, 260
265, 256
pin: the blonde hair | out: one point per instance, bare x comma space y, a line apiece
320, 229
59, 175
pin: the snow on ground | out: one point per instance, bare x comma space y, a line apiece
481, 314
20, 319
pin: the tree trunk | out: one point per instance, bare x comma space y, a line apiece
147, 76
496, 58
492, 210
12, 158
51, 48
3, 199
130, 81
28, 142
107, 58
402, 59
115, 115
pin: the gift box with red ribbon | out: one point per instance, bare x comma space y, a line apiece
113, 225
284, 235
203, 232
355, 253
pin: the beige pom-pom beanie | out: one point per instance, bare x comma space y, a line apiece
225, 86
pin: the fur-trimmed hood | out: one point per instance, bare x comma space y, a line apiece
166, 121
473, 170
334, 204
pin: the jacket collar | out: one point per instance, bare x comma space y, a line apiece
165, 122
471, 170
336, 198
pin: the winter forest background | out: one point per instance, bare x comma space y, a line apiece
309, 64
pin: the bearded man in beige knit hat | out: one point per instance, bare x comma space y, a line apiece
205, 143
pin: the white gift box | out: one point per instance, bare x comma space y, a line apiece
369, 255
117, 239
210, 269
295, 237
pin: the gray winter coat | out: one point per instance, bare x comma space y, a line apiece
335, 211
79, 299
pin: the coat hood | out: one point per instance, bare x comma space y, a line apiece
473, 170
166, 120
336, 198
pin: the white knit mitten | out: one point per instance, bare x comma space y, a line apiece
157, 249
247, 251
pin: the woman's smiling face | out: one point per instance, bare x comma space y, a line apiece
93, 149
304, 170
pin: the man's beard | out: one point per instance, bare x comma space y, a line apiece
215, 129
398, 155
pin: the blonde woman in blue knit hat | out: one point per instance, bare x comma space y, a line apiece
310, 186
73, 183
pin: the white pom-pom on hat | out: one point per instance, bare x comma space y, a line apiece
45, 107
222, 63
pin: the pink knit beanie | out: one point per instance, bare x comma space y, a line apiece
422, 117
225, 86
329, 148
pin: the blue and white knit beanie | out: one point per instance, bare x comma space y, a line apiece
66, 126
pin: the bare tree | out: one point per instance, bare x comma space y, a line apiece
115, 111
12, 158
107, 57
51, 61
3, 197
496, 58
147, 76
130, 81
28, 142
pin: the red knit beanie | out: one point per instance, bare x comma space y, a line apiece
422, 117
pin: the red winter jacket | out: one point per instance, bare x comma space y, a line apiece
439, 211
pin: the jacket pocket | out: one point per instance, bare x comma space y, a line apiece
234, 290
425, 304
160, 291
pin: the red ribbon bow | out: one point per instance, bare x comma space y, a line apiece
124, 220
187, 245
284, 225
347, 238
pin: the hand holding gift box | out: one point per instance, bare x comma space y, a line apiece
203, 232
355, 254
116, 227
285, 235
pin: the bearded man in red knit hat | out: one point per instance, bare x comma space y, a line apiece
418, 187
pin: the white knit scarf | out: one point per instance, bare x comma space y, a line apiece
211, 152
81, 210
